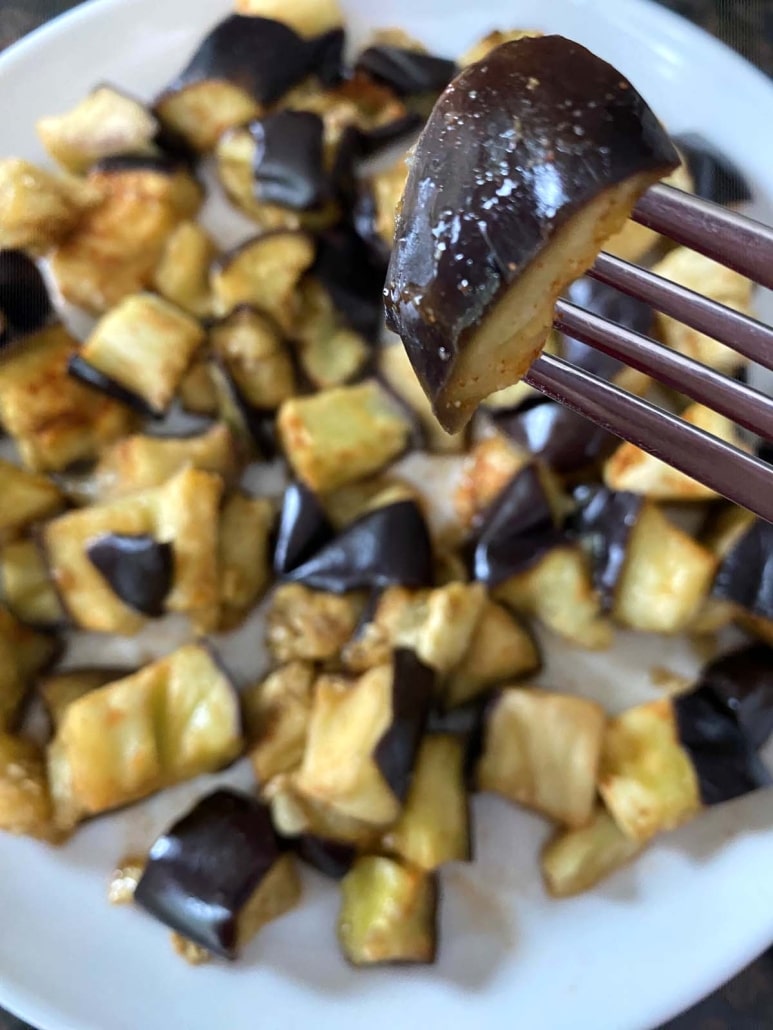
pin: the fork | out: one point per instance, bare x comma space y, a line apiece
733, 240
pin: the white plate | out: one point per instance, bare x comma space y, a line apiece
651, 941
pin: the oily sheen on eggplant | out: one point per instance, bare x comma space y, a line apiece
743, 682
304, 529
603, 521
139, 569
407, 72
530, 159
569, 443
289, 160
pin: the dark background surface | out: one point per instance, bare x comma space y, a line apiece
746, 1003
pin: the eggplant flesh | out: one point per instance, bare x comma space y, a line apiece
485, 244
289, 163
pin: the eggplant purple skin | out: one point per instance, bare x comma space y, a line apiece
715, 177
726, 763
603, 521
265, 58
390, 546
517, 530
568, 442
583, 128
204, 869
742, 681
745, 576
86, 373
139, 569
25, 305
289, 160
332, 858
413, 688
304, 529
353, 275
407, 72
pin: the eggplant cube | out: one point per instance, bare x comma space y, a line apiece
388, 913
490, 465
27, 497
218, 875
145, 345
38, 209
182, 513
26, 585
60, 689
173, 720
341, 435
25, 803
666, 576
277, 713
743, 682
647, 779
330, 352
54, 420
23, 654
543, 750
745, 574
310, 624
182, 275
434, 827
574, 861
363, 738
473, 326
259, 362
244, 561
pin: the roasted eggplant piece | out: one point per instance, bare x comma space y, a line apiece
219, 874
491, 464
307, 17
26, 585
396, 369
354, 277
375, 212
104, 124
603, 521
297, 815
633, 469
349, 503
251, 348
501, 650
517, 530
542, 750
38, 209
182, 274
118, 244
289, 168
198, 392
144, 346
171, 721
473, 326
574, 861
141, 462
330, 353
341, 435
304, 529
54, 420
25, 802
60, 689
408, 71
138, 569
332, 858
559, 591
696, 272
390, 545
183, 513
277, 712
363, 739
743, 682
24, 653
388, 913
309, 624
569, 443
715, 177
27, 496
246, 524
25, 306
434, 827
745, 574
665, 577
264, 272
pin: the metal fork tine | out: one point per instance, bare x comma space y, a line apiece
742, 334
740, 403
734, 240
741, 478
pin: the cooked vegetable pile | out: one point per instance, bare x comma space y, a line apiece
400, 617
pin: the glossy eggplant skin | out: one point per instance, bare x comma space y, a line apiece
332, 858
413, 685
726, 763
517, 530
715, 176
289, 160
139, 569
537, 130
263, 57
24, 302
202, 871
568, 442
603, 522
304, 529
743, 682
407, 72
746, 573
387, 547
353, 274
